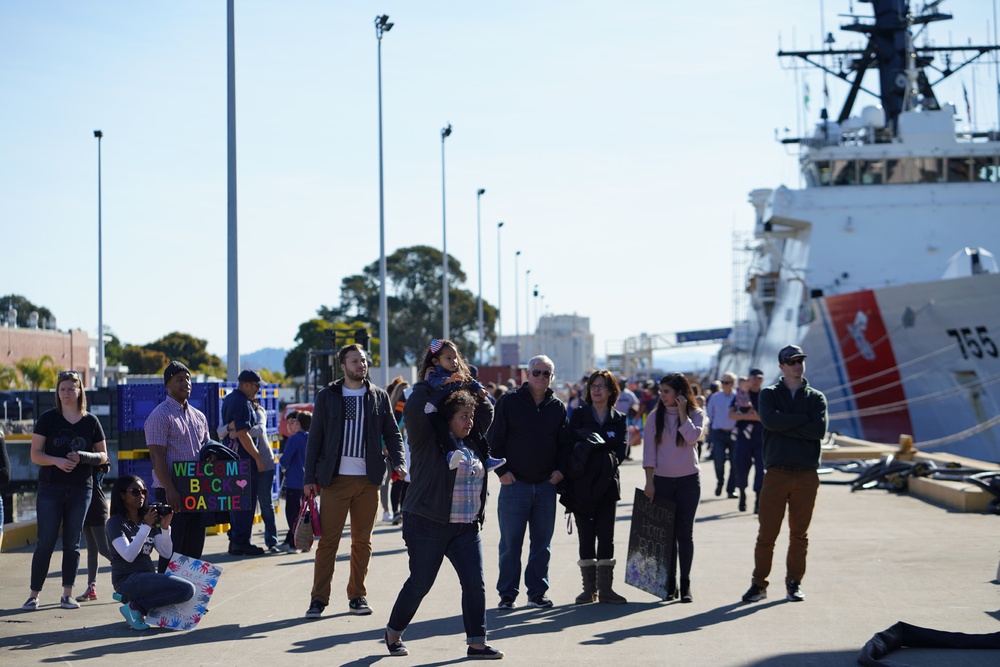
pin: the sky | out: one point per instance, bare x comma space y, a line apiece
618, 143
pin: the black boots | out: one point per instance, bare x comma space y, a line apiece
605, 574
588, 568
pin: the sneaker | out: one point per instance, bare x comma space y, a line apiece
755, 594
89, 594
359, 607
492, 464
245, 550
133, 617
397, 647
67, 602
506, 603
539, 602
454, 459
397, 519
288, 548
795, 593
485, 653
387, 517
31, 604
315, 609
273, 549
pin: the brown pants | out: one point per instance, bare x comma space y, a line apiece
357, 495
796, 489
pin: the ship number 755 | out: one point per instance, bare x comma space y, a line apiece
976, 344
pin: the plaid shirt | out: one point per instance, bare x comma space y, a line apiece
469, 479
180, 428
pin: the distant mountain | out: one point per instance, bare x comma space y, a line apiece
271, 358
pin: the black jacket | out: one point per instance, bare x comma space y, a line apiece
592, 468
533, 438
793, 426
323, 449
432, 483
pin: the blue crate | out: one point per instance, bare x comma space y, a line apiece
141, 467
137, 401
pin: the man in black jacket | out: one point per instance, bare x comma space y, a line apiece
345, 465
531, 432
795, 420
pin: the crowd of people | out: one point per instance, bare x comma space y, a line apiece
423, 454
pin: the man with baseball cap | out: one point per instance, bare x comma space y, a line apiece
175, 431
795, 420
238, 410
749, 449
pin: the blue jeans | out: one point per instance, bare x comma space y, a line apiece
149, 590
723, 448
241, 522
265, 480
533, 506
59, 505
427, 543
749, 451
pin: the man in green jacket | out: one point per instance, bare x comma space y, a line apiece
795, 420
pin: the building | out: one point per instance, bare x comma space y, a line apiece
566, 339
69, 350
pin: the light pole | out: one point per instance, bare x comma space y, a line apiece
100, 272
517, 317
527, 311
446, 325
499, 293
382, 26
232, 243
479, 242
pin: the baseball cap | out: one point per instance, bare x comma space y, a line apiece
249, 376
790, 353
756, 372
172, 369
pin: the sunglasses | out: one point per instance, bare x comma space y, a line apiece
68, 374
535, 373
135, 491
795, 362
727, 382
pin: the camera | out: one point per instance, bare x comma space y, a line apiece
162, 509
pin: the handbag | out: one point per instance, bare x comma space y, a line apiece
307, 526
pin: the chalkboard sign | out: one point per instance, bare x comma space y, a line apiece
223, 486
650, 544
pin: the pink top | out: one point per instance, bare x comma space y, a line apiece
667, 459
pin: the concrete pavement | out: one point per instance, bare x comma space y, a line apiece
874, 559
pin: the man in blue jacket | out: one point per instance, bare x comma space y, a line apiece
530, 430
795, 420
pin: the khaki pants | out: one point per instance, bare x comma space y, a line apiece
357, 495
796, 489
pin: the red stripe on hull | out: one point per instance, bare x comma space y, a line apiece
867, 352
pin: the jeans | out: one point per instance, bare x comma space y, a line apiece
599, 529
686, 493
533, 507
357, 495
749, 450
149, 590
241, 526
797, 489
427, 543
293, 502
59, 505
723, 449
187, 532
265, 482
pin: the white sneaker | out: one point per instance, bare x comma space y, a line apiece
31, 604
386, 517
67, 602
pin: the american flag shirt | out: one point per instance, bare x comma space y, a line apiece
353, 445
466, 498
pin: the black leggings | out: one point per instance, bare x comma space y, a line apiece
599, 528
686, 493
97, 544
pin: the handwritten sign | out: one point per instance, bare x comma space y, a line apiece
650, 544
213, 487
184, 616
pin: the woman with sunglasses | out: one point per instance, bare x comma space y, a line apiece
134, 530
67, 443
670, 461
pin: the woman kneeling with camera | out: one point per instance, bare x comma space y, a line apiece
133, 530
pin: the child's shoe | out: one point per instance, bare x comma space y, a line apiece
492, 463
89, 594
454, 459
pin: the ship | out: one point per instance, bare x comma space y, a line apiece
881, 265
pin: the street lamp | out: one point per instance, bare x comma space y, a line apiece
100, 271
517, 318
499, 293
479, 242
382, 26
527, 311
445, 133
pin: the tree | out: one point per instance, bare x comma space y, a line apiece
38, 373
415, 304
113, 350
186, 349
24, 309
273, 377
9, 378
315, 334
141, 361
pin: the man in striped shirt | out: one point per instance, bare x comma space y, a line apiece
345, 466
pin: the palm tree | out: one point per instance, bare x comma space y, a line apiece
38, 373
9, 378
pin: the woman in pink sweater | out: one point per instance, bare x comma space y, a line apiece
670, 460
